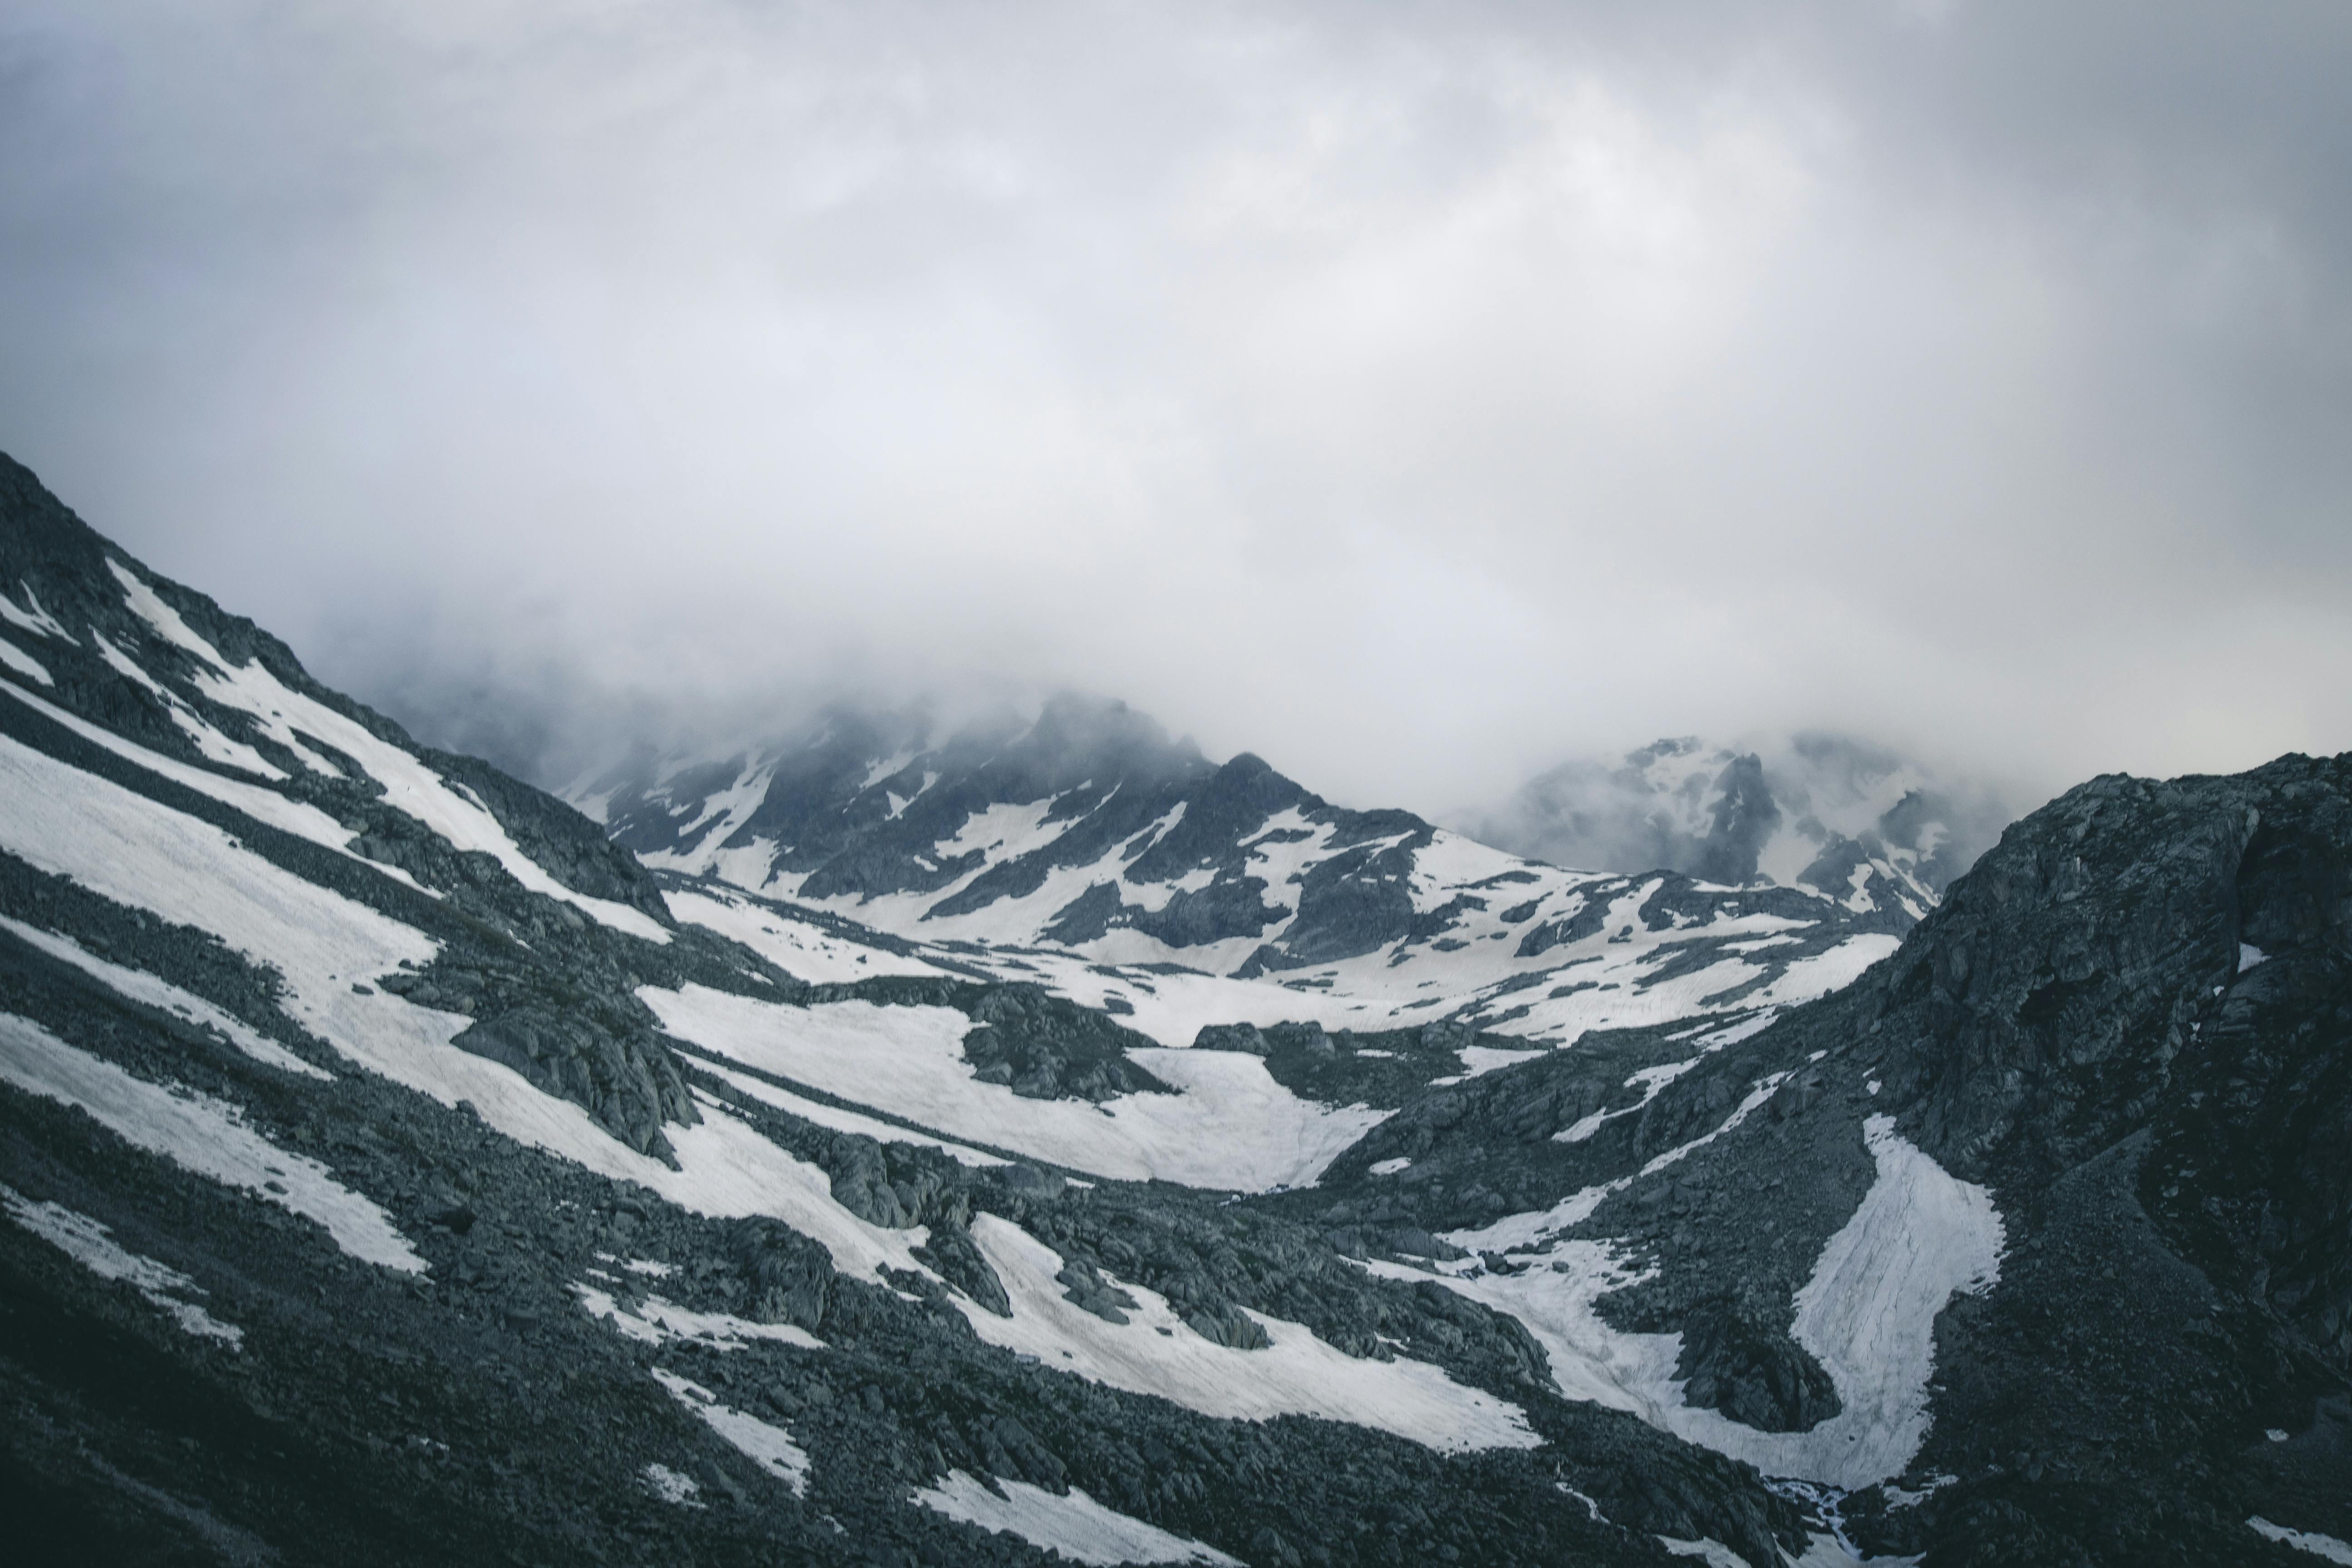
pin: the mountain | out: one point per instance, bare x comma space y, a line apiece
394, 1169
1085, 851
1823, 813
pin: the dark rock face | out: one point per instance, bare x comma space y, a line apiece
1762, 1381
630, 1084
1042, 1046
1744, 816
1047, 1048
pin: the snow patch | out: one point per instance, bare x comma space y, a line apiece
1077, 1526
1484, 1059
93, 1247
770, 1448
671, 1487
23, 663
655, 1322
1229, 1126
2322, 1546
36, 620
1867, 1314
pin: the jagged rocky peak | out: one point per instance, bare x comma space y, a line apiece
1841, 817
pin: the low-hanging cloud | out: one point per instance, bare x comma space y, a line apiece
1415, 394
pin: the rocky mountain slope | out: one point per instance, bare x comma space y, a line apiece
394, 1170
1828, 814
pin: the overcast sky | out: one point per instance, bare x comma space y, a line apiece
1415, 394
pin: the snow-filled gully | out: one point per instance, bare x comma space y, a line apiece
1867, 1314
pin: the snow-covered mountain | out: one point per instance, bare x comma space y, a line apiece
1085, 851
394, 1169
1825, 813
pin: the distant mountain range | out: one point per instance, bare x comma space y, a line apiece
1834, 814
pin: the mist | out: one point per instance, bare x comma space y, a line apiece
1415, 396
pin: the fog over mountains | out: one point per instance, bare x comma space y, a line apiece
1827, 812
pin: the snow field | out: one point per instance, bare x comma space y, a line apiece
1156, 1353
1077, 1526
264, 805
803, 951
1230, 1127
842, 1121
90, 1244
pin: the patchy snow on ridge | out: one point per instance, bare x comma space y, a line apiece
1156, 1352
202, 1134
410, 786
140, 986
140, 853
1077, 1526
93, 1247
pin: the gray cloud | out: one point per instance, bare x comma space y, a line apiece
1415, 394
